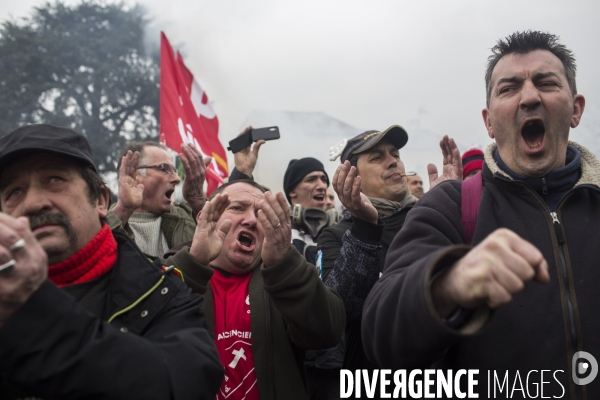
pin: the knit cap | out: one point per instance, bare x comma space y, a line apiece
297, 170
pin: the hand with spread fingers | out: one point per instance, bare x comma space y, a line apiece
131, 192
346, 184
245, 159
25, 264
208, 238
194, 167
274, 216
452, 164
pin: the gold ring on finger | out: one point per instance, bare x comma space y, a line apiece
277, 227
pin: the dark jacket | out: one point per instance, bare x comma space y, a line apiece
159, 348
353, 254
292, 311
540, 328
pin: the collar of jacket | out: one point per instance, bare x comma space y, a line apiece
590, 166
134, 286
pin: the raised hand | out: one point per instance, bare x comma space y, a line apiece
131, 192
208, 238
30, 268
245, 159
452, 164
491, 273
347, 186
195, 175
274, 216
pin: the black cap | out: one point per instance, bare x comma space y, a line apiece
33, 138
395, 134
297, 170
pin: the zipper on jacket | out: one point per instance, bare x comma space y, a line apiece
270, 345
560, 235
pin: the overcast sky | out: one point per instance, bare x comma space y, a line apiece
419, 64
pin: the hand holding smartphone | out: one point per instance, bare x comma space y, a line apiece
254, 135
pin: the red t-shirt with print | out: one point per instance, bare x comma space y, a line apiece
233, 336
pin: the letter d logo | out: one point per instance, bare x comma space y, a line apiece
580, 367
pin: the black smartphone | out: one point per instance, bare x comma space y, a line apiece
269, 133
240, 142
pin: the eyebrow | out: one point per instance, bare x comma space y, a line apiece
48, 167
519, 79
320, 175
241, 202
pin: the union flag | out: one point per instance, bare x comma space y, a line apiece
186, 116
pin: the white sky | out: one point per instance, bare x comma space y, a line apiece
370, 64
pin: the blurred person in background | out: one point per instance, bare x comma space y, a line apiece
144, 209
472, 161
415, 184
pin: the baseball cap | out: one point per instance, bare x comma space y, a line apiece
41, 137
366, 140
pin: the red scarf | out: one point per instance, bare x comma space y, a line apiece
94, 260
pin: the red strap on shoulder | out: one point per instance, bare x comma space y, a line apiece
471, 190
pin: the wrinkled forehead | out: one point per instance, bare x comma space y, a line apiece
243, 192
156, 155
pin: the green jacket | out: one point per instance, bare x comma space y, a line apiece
178, 224
292, 311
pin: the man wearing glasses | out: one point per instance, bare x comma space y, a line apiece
144, 210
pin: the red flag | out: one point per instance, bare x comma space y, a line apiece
186, 116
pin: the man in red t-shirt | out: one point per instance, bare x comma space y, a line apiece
265, 302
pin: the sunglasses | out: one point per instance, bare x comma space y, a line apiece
166, 168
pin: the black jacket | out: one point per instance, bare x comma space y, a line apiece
158, 348
353, 254
540, 329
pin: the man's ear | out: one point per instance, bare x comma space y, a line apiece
485, 113
103, 202
578, 106
293, 194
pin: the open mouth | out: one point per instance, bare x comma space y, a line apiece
319, 197
533, 133
246, 240
169, 193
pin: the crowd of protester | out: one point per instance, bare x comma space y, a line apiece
250, 294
